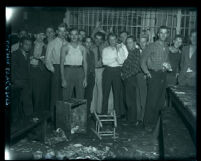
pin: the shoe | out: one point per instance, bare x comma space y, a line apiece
123, 117
132, 123
139, 123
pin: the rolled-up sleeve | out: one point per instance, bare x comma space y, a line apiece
122, 55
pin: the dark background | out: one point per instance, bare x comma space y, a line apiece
40, 17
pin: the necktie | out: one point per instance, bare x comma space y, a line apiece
25, 55
99, 53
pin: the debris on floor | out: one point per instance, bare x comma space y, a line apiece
56, 137
79, 151
131, 143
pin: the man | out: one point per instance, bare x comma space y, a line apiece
82, 35
122, 37
142, 83
73, 67
130, 68
113, 58
21, 94
50, 34
175, 59
154, 64
21, 33
52, 62
187, 75
97, 49
90, 72
39, 81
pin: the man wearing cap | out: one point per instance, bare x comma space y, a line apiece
21, 33
21, 94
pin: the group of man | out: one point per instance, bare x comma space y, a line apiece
88, 67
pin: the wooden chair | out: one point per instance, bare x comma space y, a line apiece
101, 122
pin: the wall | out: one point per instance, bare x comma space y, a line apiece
37, 18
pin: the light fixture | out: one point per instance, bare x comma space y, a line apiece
7, 155
9, 13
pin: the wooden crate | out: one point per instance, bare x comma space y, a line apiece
71, 116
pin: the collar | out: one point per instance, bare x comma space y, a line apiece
113, 48
36, 42
161, 45
59, 39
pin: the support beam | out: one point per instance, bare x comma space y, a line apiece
179, 16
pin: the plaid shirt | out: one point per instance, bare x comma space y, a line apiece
131, 65
153, 57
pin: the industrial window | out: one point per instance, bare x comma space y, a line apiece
134, 20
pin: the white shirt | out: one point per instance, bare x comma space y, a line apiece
53, 52
113, 58
191, 52
125, 49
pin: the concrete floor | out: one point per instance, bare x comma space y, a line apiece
132, 143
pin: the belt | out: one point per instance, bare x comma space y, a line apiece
35, 66
73, 66
99, 67
157, 70
112, 67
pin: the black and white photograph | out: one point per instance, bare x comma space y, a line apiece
101, 83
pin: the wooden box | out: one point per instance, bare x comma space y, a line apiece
71, 116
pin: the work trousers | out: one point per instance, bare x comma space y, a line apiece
131, 98
172, 79
141, 95
40, 89
74, 77
96, 104
89, 90
156, 88
21, 105
56, 89
111, 78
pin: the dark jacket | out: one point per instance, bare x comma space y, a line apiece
185, 78
131, 65
20, 68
